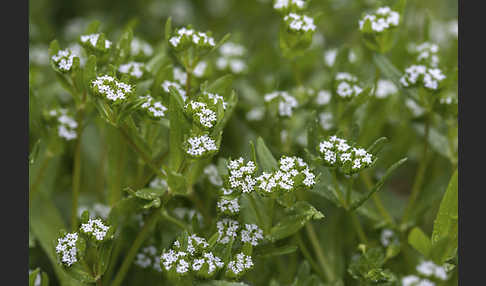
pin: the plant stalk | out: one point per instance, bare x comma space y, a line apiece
319, 253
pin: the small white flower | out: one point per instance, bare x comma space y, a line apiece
64, 59
255, 114
229, 206
227, 229
132, 68
300, 23
148, 257
230, 49
346, 85
211, 260
323, 97
430, 78
285, 4
429, 268
239, 265
386, 237
426, 52
241, 175
200, 69
158, 183
330, 57
66, 248
167, 84
191, 37
326, 120
95, 228
381, 20
137, 47
110, 88
286, 102
385, 88
200, 145
92, 40
251, 234
213, 175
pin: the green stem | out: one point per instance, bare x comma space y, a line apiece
358, 228
309, 258
258, 214
419, 177
376, 199
337, 190
349, 190
318, 250
142, 235
175, 221
43, 167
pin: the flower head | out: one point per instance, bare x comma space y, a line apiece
427, 53
140, 48
289, 5
167, 84
147, 257
134, 69
346, 85
96, 229
430, 78
186, 37
228, 206
239, 266
67, 248
155, 109
381, 20
111, 88
66, 125
336, 152
213, 175
430, 269
64, 60
385, 88
95, 42
227, 230
207, 264
251, 234
286, 102
299, 23
198, 146
241, 175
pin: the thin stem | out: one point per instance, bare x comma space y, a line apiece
349, 189
175, 221
419, 177
76, 183
376, 199
142, 235
142, 154
358, 228
309, 258
259, 216
318, 250
337, 190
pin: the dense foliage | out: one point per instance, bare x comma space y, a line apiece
226, 142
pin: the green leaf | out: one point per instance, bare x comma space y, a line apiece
33, 276
149, 193
80, 273
271, 250
265, 157
177, 182
221, 85
420, 241
89, 71
168, 29
377, 145
297, 217
446, 222
92, 27
44, 279
178, 127
377, 187
104, 256
53, 48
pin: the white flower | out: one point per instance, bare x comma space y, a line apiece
286, 102
180, 75
92, 40
240, 264
323, 97
382, 19
158, 183
227, 229
109, 87
251, 234
416, 109
171, 258
66, 248
230, 49
326, 120
200, 68
337, 148
429, 268
132, 68
148, 257
211, 260
330, 57
241, 175
190, 36
385, 88
202, 113
39, 55
213, 175
200, 145
285, 4
95, 228
137, 47
66, 124
228, 206
386, 237
347, 86
64, 59
255, 114
194, 241
410, 280
301, 23
420, 74
426, 52
166, 84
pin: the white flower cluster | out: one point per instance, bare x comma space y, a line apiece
139, 47
427, 53
166, 84
148, 257
299, 23
420, 74
200, 145
200, 69
430, 269
292, 173
240, 265
213, 175
92, 40
209, 261
337, 152
382, 19
66, 248
282, 5
228, 206
64, 60
231, 54
186, 36
387, 236
134, 69
109, 87
255, 114
227, 229
95, 228
67, 125
187, 214
346, 85
326, 120
323, 97
155, 108
201, 113
178, 259
412, 280
286, 102
241, 175
97, 210
251, 234
196, 244
385, 88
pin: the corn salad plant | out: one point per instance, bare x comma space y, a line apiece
225, 143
